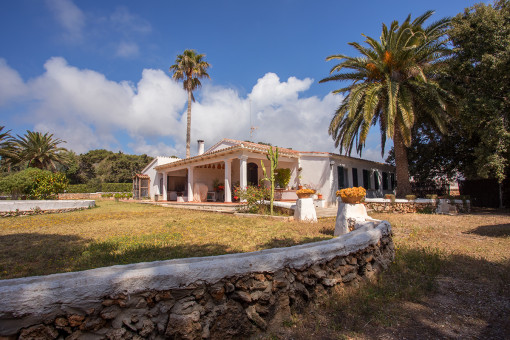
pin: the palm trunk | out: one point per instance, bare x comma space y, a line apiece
403, 183
188, 129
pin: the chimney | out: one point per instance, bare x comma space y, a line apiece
200, 147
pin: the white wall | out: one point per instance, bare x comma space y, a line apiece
154, 177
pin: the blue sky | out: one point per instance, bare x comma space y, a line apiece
95, 73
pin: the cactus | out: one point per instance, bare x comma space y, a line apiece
273, 158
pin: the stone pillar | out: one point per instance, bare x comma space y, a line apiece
165, 186
190, 184
243, 171
305, 210
228, 180
348, 215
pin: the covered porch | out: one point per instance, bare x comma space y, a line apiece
212, 178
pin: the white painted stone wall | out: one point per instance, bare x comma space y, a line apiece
28, 205
28, 301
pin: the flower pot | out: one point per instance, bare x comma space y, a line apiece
352, 199
304, 195
319, 197
300, 187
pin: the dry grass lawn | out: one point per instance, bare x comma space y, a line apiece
450, 280
121, 233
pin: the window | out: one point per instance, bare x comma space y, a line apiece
385, 181
341, 178
392, 180
366, 179
376, 180
354, 177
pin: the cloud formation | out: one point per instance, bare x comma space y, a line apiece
69, 16
89, 111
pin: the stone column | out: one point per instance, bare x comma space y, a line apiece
243, 172
305, 210
165, 186
228, 180
347, 216
190, 184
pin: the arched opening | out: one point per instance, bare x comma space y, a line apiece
253, 174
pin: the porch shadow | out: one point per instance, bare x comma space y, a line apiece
497, 230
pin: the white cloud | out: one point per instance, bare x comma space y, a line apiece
124, 21
69, 16
11, 84
87, 110
127, 49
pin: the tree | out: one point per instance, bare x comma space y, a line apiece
480, 72
394, 84
40, 150
190, 67
7, 153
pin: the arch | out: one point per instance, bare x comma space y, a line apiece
253, 174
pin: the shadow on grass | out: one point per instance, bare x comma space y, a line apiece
31, 254
499, 230
415, 297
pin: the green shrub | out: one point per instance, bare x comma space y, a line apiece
116, 187
410, 197
431, 197
21, 183
254, 197
282, 177
94, 186
48, 186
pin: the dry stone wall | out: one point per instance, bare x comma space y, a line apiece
221, 297
405, 206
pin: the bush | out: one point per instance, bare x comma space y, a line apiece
48, 186
116, 187
254, 197
282, 177
410, 197
21, 183
431, 197
93, 186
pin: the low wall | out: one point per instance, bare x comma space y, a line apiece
13, 206
79, 196
218, 297
418, 205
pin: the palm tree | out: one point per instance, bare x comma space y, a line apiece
40, 151
190, 67
393, 84
7, 150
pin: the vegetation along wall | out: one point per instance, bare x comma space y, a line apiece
218, 297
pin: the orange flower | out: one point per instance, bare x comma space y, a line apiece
352, 192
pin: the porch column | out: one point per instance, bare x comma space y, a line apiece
190, 184
243, 173
165, 186
228, 180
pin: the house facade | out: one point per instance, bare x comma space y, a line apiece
236, 163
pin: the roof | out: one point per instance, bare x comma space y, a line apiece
250, 146
142, 176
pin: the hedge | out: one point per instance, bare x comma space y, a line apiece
104, 187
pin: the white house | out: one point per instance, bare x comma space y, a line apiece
237, 163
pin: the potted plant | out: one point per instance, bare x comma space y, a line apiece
305, 193
353, 195
319, 196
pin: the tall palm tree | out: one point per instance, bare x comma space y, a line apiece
393, 84
40, 150
190, 67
